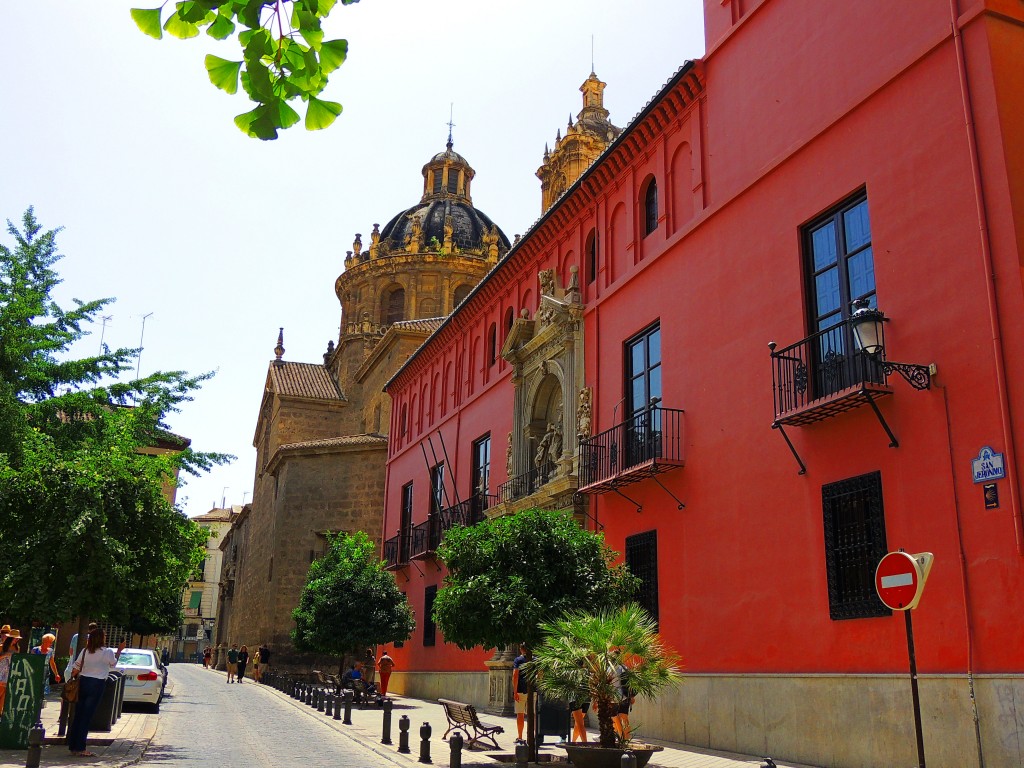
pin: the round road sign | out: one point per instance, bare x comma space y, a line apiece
898, 581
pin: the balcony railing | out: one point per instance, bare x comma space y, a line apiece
529, 482
648, 443
425, 537
396, 551
823, 375
422, 539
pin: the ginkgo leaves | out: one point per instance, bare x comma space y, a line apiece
284, 56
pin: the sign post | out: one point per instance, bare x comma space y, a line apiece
899, 581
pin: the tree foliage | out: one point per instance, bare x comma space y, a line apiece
284, 55
579, 656
85, 460
349, 602
508, 574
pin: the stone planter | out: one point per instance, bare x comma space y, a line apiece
592, 755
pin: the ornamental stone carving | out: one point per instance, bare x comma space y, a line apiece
583, 414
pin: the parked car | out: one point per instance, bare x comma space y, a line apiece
144, 678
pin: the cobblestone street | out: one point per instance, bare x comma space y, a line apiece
207, 722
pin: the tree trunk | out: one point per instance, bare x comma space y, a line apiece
606, 711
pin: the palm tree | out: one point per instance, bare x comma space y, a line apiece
580, 656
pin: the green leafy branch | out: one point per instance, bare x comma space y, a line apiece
284, 55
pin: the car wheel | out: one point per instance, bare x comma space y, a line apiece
155, 708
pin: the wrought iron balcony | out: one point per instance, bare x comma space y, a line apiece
467, 512
529, 482
646, 444
824, 375
396, 551
424, 538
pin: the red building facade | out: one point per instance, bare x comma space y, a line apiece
616, 363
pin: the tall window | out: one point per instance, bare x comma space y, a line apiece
429, 627
405, 524
492, 345
453, 180
481, 473
643, 383
651, 207
394, 308
437, 494
642, 561
460, 294
854, 543
591, 257
840, 269
437, 180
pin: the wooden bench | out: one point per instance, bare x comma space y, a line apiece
463, 717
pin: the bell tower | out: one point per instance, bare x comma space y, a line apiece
584, 140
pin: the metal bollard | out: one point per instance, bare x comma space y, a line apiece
403, 735
386, 735
320, 700
425, 743
348, 707
329, 705
455, 742
309, 696
522, 755
628, 760
35, 745
297, 692
337, 707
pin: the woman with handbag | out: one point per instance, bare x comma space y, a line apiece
91, 668
9, 647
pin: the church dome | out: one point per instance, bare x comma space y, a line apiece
445, 218
427, 221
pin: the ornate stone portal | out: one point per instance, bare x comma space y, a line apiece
547, 357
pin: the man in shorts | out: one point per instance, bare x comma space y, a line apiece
520, 691
232, 662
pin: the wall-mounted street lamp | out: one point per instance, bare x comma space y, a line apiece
869, 338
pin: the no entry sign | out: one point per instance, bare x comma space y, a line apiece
900, 578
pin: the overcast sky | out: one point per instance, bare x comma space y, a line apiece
220, 239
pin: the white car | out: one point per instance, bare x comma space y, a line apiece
144, 679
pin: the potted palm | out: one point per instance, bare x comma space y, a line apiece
592, 657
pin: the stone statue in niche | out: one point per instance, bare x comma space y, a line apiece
583, 413
541, 457
508, 457
547, 282
555, 448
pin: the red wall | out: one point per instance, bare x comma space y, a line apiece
804, 104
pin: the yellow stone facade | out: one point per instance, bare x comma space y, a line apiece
584, 140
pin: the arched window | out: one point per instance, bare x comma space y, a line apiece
510, 317
492, 345
394, 307
651, 207
591, 256
460, 294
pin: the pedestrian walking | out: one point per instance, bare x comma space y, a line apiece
256, 666
264, 658
243, 659
45, 648
232, 662
8, 648
385, 664
207, 654
520, 691
74, 649
91, 668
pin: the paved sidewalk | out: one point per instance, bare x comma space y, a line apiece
367, 724
122, 746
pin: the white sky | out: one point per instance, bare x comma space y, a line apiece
169, 208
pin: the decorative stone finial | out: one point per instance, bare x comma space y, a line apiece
357, 244
279, 349
329, 352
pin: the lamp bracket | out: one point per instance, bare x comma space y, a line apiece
917, 376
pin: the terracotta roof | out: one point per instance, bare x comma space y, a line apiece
309, 380
330, 442
427, 325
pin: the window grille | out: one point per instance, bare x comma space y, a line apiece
854, 544
642, 561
